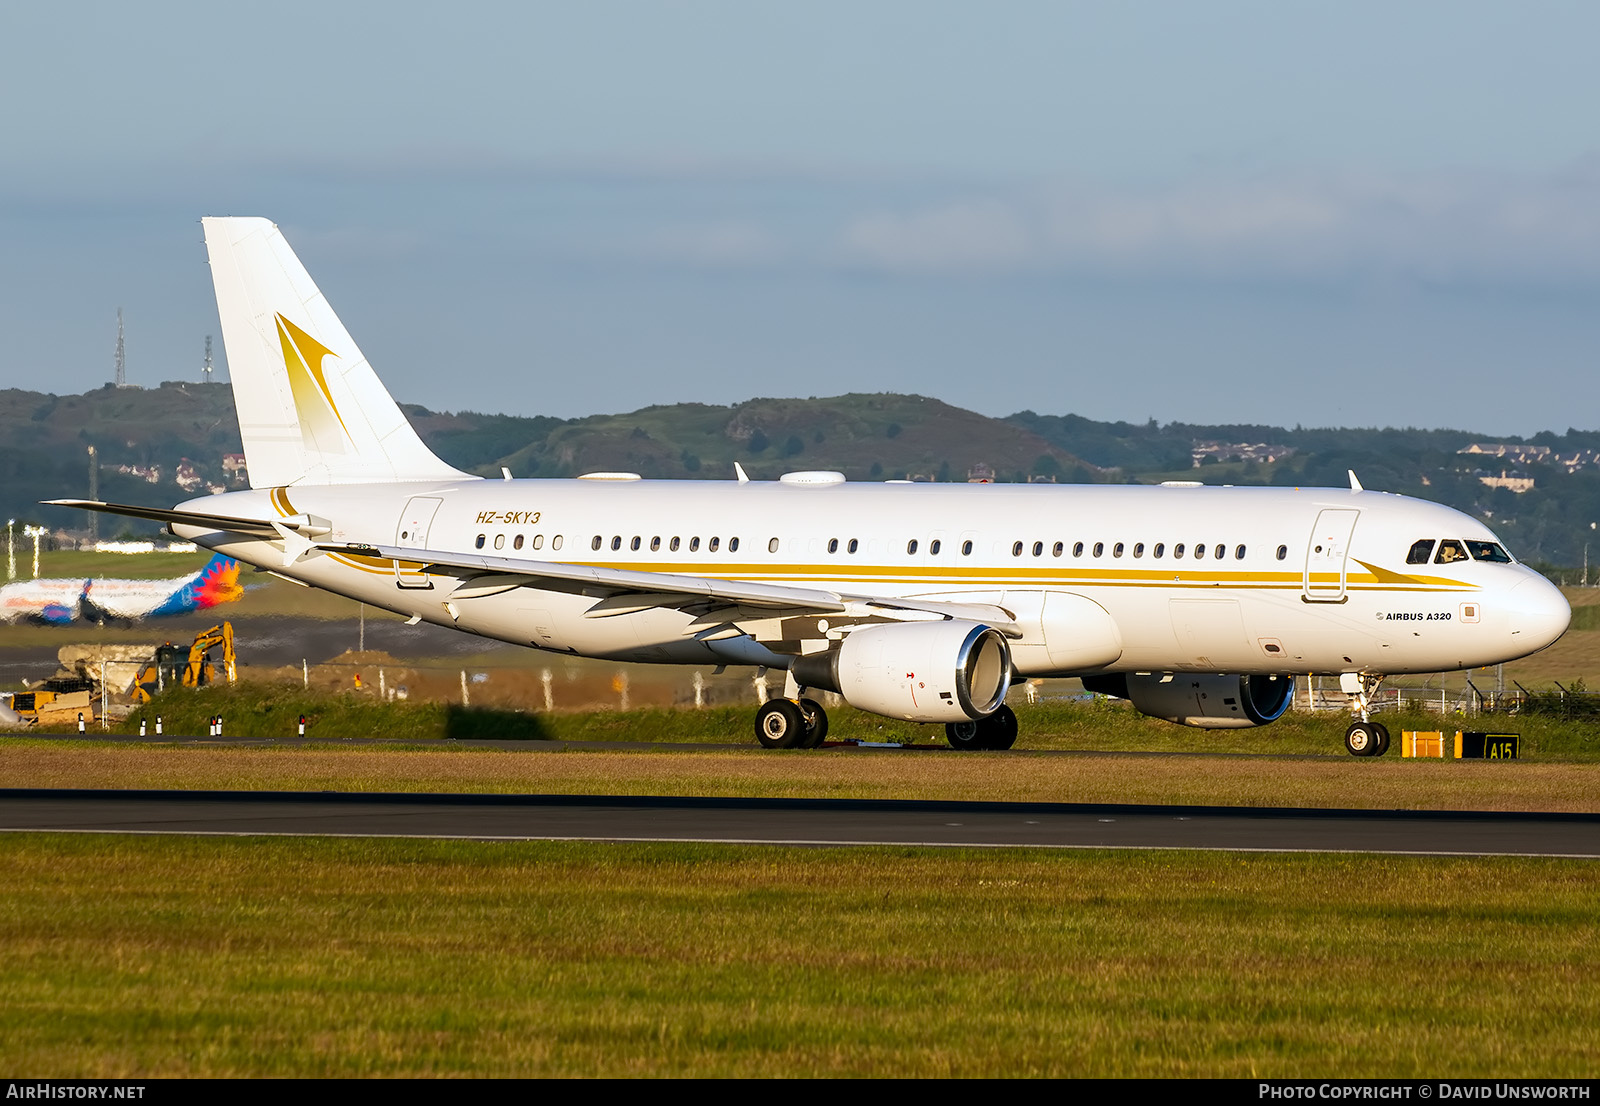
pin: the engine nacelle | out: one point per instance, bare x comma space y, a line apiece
917, 671
1210, 702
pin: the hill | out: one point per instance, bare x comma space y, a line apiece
146, 439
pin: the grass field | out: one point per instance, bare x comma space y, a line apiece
251, 710
132, 957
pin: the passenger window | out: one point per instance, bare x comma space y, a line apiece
1038, 549
1200, 551
1116, 550
555, 542
733, 545
966, 549
1099, 548
1077, 549
1177, 550
655, 544
1450, 551
538, 541
1160, 549
833, 545
499, 541
1055, 550
1238, 553
484, 537
516, 542
1016, 549
713, 544
1488, 551
1283, 552
933, 547
911, 546
694, 544
772, 546
635, 543
592, 545
616, 543
673, 544
1420, 552
1138, 549
853, 546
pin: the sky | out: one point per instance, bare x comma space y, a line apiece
1346, 213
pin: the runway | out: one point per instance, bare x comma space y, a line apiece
812, 822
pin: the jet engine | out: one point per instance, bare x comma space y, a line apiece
948, 671
1209, 702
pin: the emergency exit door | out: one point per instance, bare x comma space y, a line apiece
411, 532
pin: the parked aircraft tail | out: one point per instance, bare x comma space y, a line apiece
311, 410
215, 584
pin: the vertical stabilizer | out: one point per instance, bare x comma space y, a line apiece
311, 410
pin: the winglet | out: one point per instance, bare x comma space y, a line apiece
1355, 485
738, 471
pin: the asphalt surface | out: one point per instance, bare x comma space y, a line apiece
800, 822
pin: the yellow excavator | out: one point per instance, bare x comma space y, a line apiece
175, 665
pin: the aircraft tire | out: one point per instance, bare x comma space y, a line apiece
780, 725
816, 723
1000, 729
965, 735
997, 731
1383, 739
1361, 739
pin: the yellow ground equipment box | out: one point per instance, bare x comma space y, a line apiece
1421, 743
1468, 744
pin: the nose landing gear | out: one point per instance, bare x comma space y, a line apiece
1364, 738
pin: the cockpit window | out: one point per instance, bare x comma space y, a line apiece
1450, 551
1488, 551
1420, 552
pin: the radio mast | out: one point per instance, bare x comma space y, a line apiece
122, 362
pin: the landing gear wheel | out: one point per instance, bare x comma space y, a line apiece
780, 725
1383, 739
816, 722
1001, 729
1361, 739
997, 731
966, 734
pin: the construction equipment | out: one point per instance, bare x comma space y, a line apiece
59, 700
175, 666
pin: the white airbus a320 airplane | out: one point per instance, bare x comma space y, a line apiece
923, 602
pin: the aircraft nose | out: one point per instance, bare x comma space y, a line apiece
1539, 613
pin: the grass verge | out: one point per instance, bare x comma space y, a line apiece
1389, 784
265, 712
129, 957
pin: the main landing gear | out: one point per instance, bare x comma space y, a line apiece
1364, 738
803, 724
998, 731
791, 724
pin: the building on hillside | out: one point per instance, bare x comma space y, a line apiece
150, 474
234, 468
1241, 451
1518, 484
186, 477
1516, 454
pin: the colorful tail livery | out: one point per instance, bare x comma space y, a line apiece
57, 602
311, 410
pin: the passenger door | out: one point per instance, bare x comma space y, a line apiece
1326, 556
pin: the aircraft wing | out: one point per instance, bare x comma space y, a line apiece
628, 591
